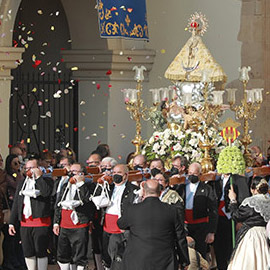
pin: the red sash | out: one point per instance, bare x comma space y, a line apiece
67, 223
35, 222
110, 224
220, 212
189, 218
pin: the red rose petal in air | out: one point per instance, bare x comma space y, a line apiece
109, 85
62, 60
10, 145
37, 62
129, 58
59, 81
109, 72
75, 129
98, 86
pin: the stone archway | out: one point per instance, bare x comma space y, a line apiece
9, 59
94, 57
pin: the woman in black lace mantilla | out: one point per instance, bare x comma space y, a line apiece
252, 249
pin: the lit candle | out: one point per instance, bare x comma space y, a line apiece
217, 97
231, 95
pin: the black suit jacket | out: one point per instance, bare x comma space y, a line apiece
240, 186
128, 195
40, 205
154, 227
204, 204
85, 212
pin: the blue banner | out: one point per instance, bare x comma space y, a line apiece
122, 18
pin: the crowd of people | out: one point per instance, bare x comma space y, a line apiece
142, 224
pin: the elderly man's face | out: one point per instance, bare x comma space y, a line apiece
105, 165
177, 164
120, 170
193, 169
156, 164
139, 161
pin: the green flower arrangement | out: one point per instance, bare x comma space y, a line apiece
231, 160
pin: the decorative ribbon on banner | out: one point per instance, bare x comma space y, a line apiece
122, 18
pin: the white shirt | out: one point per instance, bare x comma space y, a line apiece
115, 207
190, 192
64, 179
225, 179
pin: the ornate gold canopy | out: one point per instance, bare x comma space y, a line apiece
194, 58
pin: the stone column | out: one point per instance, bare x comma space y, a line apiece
102, 114
253, 33
9, 59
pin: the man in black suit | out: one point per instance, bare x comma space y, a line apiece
31, 207
200, 209
223, 239
122, 195
155, 231
72, 215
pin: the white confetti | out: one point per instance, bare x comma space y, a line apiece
49, 114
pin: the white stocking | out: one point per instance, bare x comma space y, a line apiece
64, 266
73, 267
42, 263
80, 267
31, 263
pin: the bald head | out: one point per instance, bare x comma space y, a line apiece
139, 160
151, 188
120, 169
195, 169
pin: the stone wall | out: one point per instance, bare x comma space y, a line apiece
255, 38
